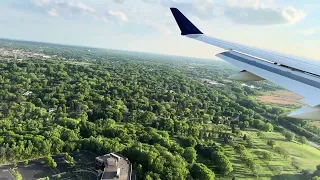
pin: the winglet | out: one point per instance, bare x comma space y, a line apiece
184, 24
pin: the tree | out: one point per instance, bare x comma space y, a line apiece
271, 143
190, 154
146, 117
50, 161
189, 141
261, 134
303, 140
244, 137
289, 136
316, 178
254, 166
268, 127
249, 142
15, 164
26, 162
225, 166
200, 171
152, 176
267, 156
69, 158
44, 178
278, 170
246, 124
16, 175
281, 151
233, 129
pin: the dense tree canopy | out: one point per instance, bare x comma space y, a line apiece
159, 111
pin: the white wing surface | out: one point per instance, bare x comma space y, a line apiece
299, 75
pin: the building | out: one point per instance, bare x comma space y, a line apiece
211, 82
27, 93
113, 166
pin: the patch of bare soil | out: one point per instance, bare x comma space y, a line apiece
280, 97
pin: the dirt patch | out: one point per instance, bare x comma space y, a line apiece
283, 97
316, 123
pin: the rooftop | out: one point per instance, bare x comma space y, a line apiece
115, 162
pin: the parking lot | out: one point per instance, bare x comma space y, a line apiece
38, 169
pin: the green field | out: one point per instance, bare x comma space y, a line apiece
302, 157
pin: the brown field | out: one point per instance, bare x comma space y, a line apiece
316, 123
282, 97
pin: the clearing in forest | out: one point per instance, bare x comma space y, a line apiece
282, 97
301, 157
316, 123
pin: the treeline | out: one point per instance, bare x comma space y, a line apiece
302, 128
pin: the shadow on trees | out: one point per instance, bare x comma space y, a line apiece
276, 139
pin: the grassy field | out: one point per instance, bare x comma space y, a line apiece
301, 157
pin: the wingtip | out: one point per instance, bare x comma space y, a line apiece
184, 23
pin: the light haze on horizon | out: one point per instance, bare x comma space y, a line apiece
148, 26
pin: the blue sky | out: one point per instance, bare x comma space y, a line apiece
147, 25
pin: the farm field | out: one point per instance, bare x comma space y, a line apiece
281, 97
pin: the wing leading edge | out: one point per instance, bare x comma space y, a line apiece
298, 75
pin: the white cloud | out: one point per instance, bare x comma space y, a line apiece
292, 15
84, 8
261, 12
74, 7
311, 31
261, 16
64, 7
158, 27
118, 1
253, 12
119, 14
41, 2
53, 12
151, 1
71, 9
243, 3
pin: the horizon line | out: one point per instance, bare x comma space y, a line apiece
84, 46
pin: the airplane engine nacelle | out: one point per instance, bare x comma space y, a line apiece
245, 76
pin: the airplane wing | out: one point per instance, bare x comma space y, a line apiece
299, 75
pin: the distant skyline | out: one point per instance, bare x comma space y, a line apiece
148, 26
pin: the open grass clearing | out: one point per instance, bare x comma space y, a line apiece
278, 168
